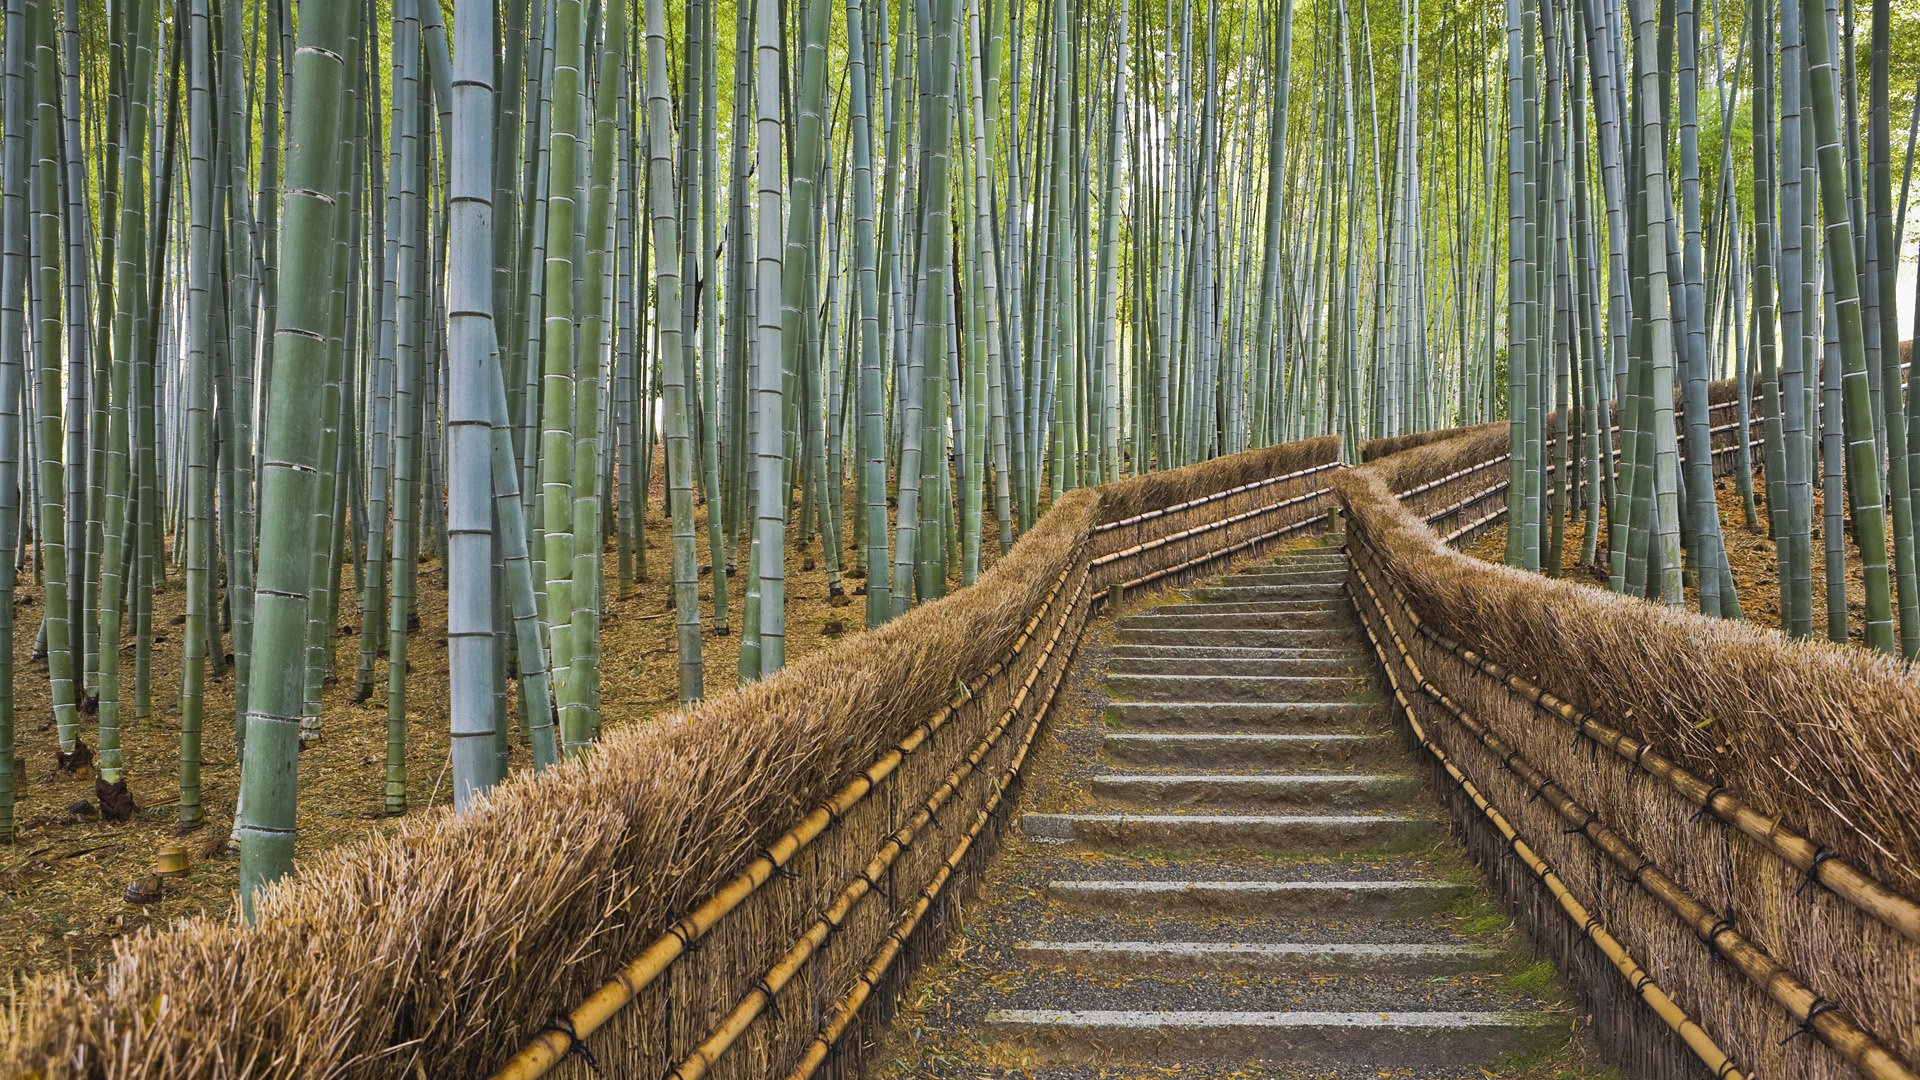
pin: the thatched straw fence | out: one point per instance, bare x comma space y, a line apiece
1457, 481
736, 891
1714, 830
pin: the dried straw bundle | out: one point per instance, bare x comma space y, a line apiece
1814, 733
443, 948
1816, 737
1149, 491
445, 945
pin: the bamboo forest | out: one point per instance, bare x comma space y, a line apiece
401, 398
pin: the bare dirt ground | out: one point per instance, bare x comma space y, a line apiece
64, 879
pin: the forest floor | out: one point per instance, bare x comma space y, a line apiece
1750, 553
64, 880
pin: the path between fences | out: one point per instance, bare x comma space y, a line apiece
1248, 873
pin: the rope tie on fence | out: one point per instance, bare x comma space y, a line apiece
1710, 937
1592, 816
1805, 1027
1813, 869
1635, 765
562, 1024
1634, 877
689, 941
765, 990
1706, 803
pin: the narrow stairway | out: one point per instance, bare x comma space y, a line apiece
1238, 873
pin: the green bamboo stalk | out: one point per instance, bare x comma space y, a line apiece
269, 771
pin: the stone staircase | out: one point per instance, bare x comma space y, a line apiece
1238, 873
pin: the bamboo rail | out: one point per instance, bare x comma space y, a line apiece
1662, 1005
1077, 590
1813, 1012
547, 1048
849, 1005
1148, 515
1831, 872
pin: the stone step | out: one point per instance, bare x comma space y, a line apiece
1205, 631
1423, 1040
1185, 617
1264, 899
1336, 665
1293, 833
1250, 688
1260, 599
1231, 652
1304, 791
1250, 717
1290, 575
1278, 959
1201, 750
1283, 589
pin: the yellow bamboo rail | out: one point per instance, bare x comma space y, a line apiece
849, 1004
1664, 1008
1836, 875
1831, 1024
1149, 515
777, 977
546, 1049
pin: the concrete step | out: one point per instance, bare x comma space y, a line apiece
1335, 666
1250, 688
1264, 899
1302, 833
1300, 791
1189, 616
1250, 717
1207, 631
1326, 574
1214, 595
1273, 959
1377, 1039
1247, 652
1202, 750
1284, 589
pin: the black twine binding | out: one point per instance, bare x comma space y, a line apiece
563, 1024
1592, 816
1636, 764
1706, 803
1820, 1005
1713, 932
773, 1003
1726, 1069
1813, 869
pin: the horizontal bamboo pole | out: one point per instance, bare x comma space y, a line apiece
1191, 504
1836, 875
1219, 553
546, 1049
1211, 526
1664, 1008
807, 945
848, 1007
1814, 1012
